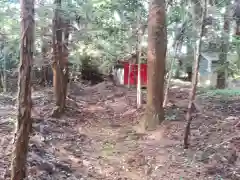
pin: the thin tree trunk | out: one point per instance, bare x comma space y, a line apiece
24, 121
169, 78
59, 62
221, 74
138, 56
194, 80
132, 61
157, 46
139, 88
139, 60
65, 60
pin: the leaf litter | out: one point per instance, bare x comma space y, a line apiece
98, 138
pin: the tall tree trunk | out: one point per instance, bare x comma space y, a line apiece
59, 66
65, 59
157, 46
24, 121
139, 83
197, 9
221, 74
194, 79
138, 56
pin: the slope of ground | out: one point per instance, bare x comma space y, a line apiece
97, 139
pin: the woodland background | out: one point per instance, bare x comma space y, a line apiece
64, 117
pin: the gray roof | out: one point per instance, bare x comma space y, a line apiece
211, 56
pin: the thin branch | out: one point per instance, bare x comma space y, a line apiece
194, 80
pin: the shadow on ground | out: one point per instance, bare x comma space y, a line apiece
96, 139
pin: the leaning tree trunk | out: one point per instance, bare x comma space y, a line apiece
59, 62
24, 122
194, 80
157, 46
221, 74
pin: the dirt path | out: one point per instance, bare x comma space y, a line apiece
96, 140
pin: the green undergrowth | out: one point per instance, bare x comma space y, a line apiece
108, 148
210, 92
172, 114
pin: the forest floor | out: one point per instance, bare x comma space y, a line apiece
98, 138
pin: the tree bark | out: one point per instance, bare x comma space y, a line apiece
221, 74
157, 45
191, 106
59, 65
65, 58
24, 121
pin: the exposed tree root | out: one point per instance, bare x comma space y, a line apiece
57, 112
151, 120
